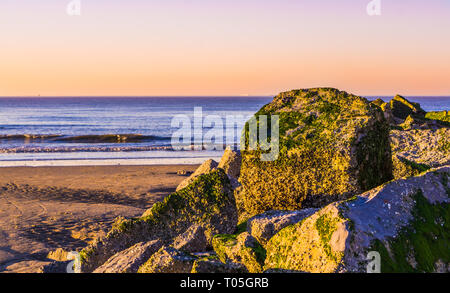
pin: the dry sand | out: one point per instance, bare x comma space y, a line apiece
45, 208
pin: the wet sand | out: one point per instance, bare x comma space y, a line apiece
45, 208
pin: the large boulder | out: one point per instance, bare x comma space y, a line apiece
129, 260
207, 167
332, 145
266, 225
208, 201
406, 222
168, 260
242, 248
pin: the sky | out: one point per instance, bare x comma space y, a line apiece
226, 47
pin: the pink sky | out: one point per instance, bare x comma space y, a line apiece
227, 47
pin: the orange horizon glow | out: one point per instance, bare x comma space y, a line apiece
223, 48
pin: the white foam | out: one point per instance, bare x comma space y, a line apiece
107, 162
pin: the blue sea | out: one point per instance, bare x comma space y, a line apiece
40, 131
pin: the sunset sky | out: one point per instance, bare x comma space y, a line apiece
226, 47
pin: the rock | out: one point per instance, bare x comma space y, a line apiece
55, 267
333, 145
405, 221
168, 260
192, 240
58, 255
231, 164
205, 168
242, 248
262, 227
387, 111
208, 201
427, 147
442, 116
216, 266
129, 260
402, 108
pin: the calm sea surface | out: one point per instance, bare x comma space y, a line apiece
83, 130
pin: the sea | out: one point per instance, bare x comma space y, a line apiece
76, 131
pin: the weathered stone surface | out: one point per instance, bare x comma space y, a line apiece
205, 168
421, 148
208, 202
402, 108
55, 267
332, 145
406, 221
242, 248
387, 111
231, 164
193, 240
266, 225
58, 255
216, 266
129, 260
168, 260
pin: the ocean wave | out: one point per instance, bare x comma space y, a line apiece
91, 138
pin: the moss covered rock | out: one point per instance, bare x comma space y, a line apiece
332, 145
266, 225
207, 167
443, 116
417, 150
406, 221
242, 248
208, 201
402, 108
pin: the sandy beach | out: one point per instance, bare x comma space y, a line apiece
46, 208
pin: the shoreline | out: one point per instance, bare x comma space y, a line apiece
106, 162
49, 207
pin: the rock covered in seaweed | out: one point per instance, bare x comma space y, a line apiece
406, 221
207, 167
332, 145
266, 225
208, 201
402, 108
242, 248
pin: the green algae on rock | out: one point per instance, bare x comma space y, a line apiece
402, 108
208, 201
406, 221
332, 145
241, 248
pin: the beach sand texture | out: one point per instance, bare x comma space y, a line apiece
46, 208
